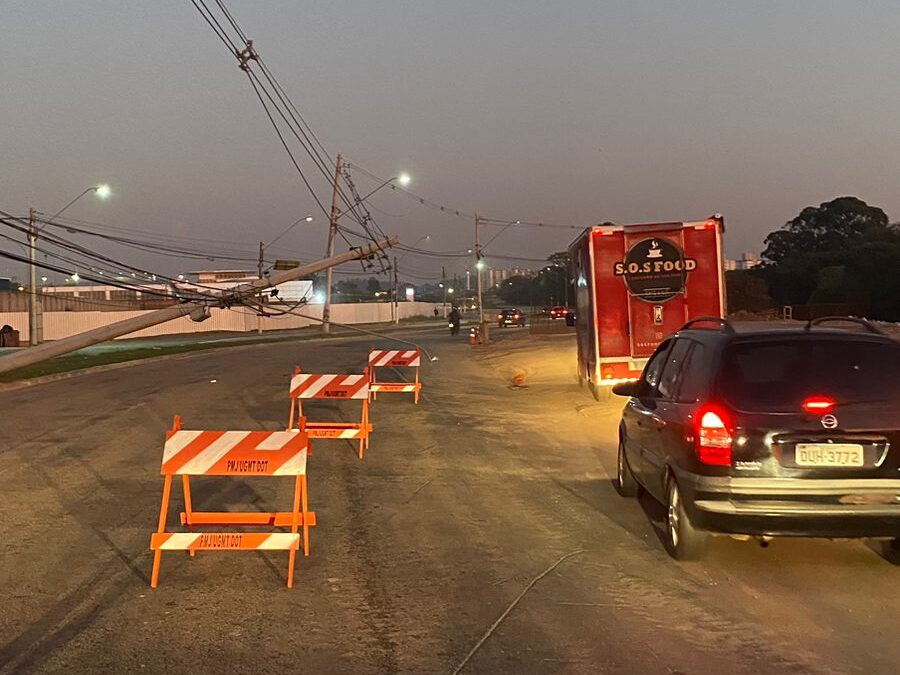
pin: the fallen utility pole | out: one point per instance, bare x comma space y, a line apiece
197, 309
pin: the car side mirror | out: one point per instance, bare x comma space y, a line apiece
627, 388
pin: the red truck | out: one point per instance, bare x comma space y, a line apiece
636, 284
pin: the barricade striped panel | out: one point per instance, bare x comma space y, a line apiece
314, 385
387, 386
335, 430
235, 453
394, 357
223, 541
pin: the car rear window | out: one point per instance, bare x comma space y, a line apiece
777, 375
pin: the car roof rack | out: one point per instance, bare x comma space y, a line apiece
868, 325
724, 324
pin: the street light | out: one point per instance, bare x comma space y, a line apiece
404, 179
35, 305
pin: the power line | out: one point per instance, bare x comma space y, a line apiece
462, 213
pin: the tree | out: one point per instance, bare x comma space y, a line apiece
372, 285
843, 252
550, 285
560, 258
747, 292
842, 222
515, 291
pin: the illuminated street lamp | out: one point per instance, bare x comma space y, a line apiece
404, 179
35, 308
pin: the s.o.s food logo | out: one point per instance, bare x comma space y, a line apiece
655, 270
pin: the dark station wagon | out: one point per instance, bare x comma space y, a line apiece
778, 432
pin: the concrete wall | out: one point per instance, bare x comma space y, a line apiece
58, 325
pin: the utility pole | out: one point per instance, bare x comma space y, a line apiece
262, 248
396, 294
478, 265
444, 284
332, 232
35, 302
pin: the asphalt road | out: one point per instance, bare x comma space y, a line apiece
461, 503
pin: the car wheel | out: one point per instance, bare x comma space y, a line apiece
626, 485
891, 551
683, 540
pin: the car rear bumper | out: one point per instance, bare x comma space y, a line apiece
793, 507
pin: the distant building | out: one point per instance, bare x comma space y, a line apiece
496, 276
747, 261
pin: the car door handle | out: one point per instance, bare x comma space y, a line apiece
657, 421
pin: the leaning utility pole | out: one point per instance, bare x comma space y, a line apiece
197, 309
35, 302
332, 232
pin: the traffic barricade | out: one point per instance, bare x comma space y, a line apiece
234, 453
332, 387
394, 358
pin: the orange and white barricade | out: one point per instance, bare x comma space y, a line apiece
234, 453
332, 387
394, 358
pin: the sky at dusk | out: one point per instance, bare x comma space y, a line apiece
573, 112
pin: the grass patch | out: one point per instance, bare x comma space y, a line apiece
76, 361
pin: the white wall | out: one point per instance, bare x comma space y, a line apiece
58, 325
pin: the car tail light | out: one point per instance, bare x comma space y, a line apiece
713, 437
819, 405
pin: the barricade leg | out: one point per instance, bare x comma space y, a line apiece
292, 555
163, 512
363, 430
188, 509
304, 492
417, 385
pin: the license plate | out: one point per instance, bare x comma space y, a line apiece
828, 454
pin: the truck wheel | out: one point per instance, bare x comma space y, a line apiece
683, 540
626, 485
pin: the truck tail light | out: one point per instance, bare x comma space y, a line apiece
713, 437
819, 405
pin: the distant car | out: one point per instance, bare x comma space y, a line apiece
792, 432
558, 312
570, 317
510, 316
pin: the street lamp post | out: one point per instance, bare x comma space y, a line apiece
35, 301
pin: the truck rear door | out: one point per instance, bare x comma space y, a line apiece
655, 272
